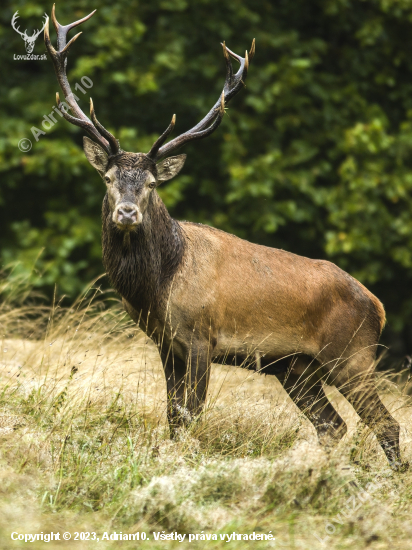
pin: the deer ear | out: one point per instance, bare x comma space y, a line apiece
96, 155
170, 167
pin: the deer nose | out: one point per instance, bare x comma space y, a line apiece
126, 214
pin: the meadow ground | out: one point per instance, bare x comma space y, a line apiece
84, 447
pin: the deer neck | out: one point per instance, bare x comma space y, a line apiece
141, 264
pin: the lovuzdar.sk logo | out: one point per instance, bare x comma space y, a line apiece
29, 41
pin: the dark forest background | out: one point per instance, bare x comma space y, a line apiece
314, 156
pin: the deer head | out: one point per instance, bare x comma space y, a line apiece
28, 40
131, 177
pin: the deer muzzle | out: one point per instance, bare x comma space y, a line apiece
127, 216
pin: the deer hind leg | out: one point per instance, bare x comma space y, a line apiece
355, 379
306, 390
175, 373
365, 400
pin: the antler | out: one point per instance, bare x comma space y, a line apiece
59, 58
233, 83
36, 34
13, 21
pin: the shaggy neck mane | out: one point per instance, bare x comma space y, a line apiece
142, 267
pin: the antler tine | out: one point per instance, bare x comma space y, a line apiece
59, 59
62, 30
159, 142
114, 143
252, 51
85, 124
229, 68
233, 83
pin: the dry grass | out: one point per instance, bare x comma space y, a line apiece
84, 445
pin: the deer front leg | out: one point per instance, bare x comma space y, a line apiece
198, 371
175, 373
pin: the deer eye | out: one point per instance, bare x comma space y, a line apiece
107, 179
152, 184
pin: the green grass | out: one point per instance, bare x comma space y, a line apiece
84, 446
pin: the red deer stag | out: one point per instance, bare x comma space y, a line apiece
202, 294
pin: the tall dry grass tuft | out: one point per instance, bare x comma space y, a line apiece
84, 444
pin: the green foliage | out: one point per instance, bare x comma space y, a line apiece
313, 157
